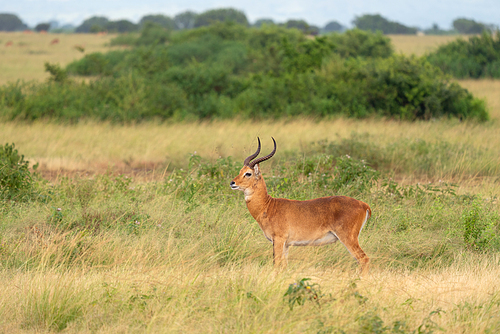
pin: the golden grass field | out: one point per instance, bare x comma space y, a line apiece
153, 285
419, 45
25, 58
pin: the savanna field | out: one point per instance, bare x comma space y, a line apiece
130, 226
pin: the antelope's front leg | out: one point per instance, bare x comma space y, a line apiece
280, 252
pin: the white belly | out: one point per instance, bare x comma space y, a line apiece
328, 238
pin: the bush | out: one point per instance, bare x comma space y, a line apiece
16, 181
479, 57
57, 74
359, 43
479, 227
354, 174
398, 87
152, 34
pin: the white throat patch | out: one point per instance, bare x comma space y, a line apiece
248, 194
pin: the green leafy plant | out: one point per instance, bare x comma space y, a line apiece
354, 174
16, 180
302, 291
479, 228
57, 74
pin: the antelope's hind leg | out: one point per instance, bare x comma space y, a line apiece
352, 244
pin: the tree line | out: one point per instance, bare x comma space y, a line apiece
190, 20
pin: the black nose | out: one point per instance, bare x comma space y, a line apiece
232, 183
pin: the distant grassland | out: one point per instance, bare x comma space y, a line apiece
24, 59
420, 45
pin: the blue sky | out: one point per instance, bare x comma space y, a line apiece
421, 13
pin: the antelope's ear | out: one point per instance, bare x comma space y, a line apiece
256, 170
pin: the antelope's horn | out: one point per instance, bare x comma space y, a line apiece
253, 163
249, 158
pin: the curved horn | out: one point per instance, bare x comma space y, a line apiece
253, 163
249, 158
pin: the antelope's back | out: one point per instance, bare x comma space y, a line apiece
322, 210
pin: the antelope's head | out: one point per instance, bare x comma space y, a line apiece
250, 177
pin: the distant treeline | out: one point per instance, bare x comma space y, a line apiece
190, 19
228, 70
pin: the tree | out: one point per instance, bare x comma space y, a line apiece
260, 22
165, 21
10, 22
152, 33
121, 26
221, 15
333, 26
377, 22
467, 26
95, 22
42, 27
303, 26
185, 20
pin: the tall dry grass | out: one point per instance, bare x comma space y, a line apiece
97, 146
177, 293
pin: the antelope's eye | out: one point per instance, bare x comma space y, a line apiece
248, 174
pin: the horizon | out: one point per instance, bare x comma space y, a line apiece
422, 15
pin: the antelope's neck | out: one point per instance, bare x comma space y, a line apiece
258, 201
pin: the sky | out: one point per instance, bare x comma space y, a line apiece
421, 13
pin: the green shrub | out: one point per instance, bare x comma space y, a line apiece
57, 74
395, 87
479, 57
16, 180
399, 87
360, 43
153, 34
97, 63
355, 175
302, 291
480, 227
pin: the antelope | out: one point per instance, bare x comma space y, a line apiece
314, 222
